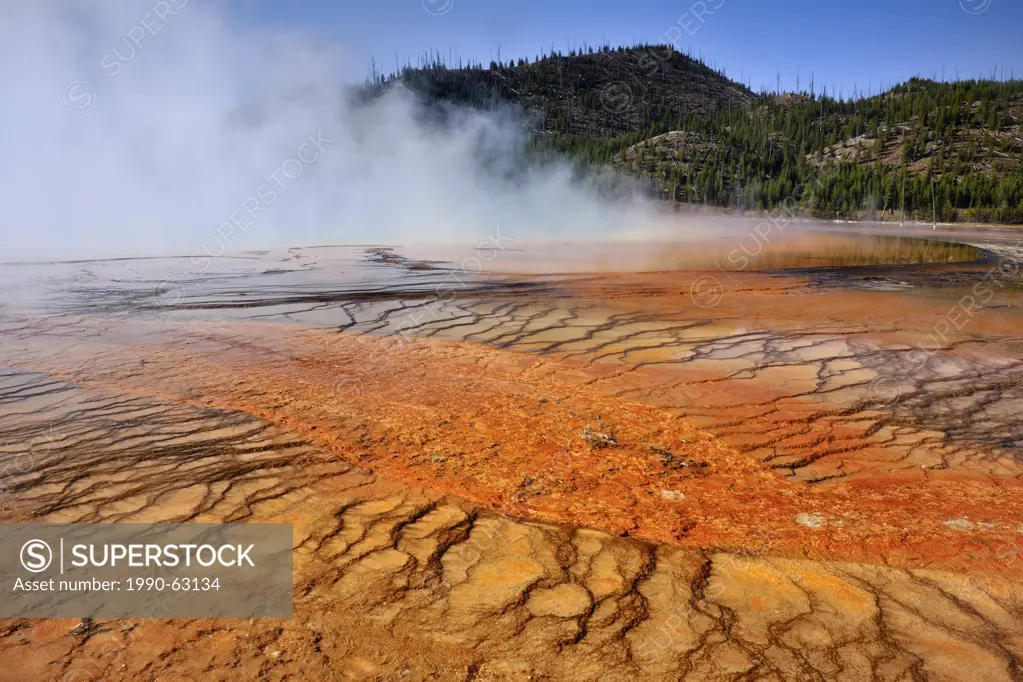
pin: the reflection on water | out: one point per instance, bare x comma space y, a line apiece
724, 250
809, 250
310, 282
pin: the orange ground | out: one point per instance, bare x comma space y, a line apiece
509, 429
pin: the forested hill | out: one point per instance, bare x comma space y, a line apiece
955, 150
597, 94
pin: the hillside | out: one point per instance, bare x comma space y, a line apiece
700, 138
959, 147
603, 93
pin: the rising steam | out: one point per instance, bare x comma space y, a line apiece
150, 128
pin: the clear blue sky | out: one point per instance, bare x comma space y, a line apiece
844, 44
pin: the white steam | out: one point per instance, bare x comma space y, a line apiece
144, 127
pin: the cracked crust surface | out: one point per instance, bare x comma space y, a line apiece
390, 578
591, 483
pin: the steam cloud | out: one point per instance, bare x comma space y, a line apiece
156, 128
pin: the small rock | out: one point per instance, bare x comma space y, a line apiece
599, 440
83, 628
959, 524
672, 461
673, 495
810, 520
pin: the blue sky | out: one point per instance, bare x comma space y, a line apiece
844, 44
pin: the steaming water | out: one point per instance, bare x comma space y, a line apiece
728, 248
204, 135
314, 284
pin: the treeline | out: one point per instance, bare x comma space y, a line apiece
951, 151
601, 92
954, 150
